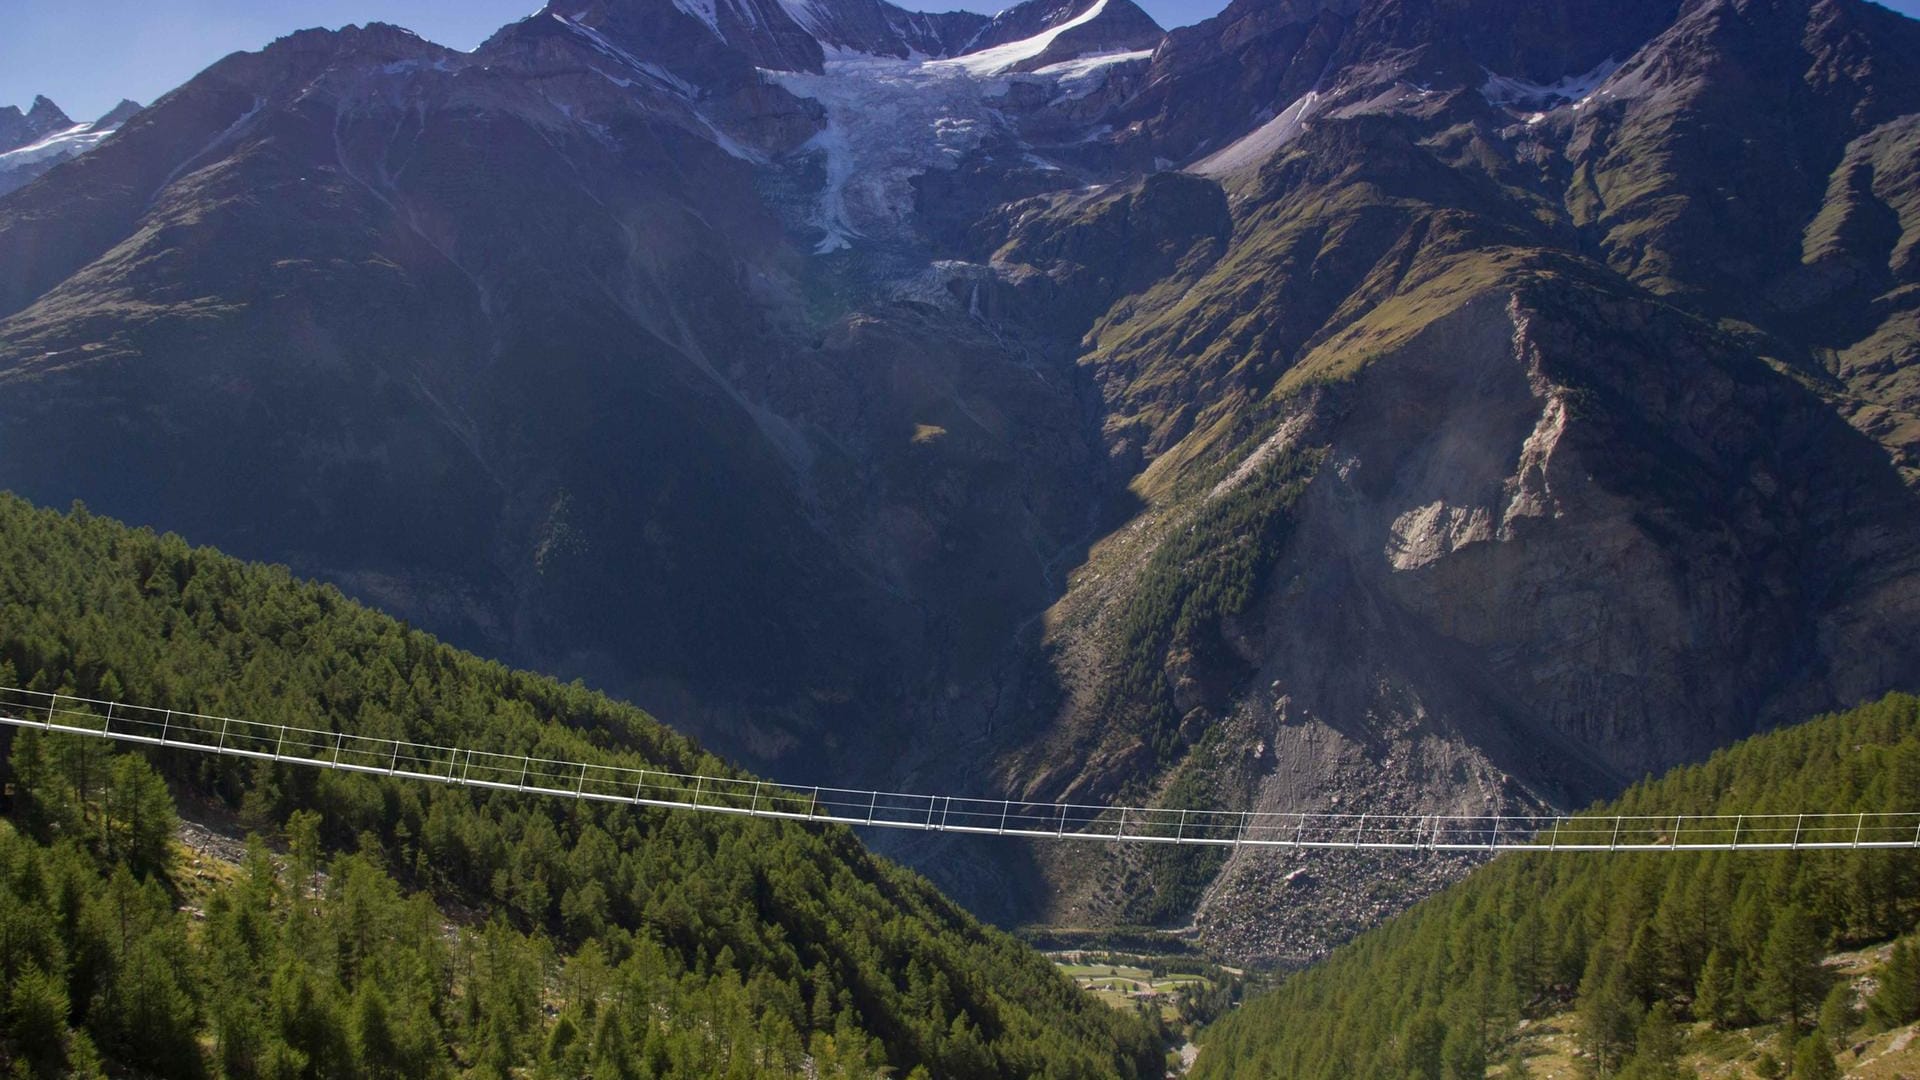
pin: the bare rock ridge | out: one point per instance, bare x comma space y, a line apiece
1332, 406
41, 119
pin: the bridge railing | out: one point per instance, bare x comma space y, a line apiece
324, 748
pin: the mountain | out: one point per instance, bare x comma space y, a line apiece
1484, 972
41, 119
36, 141
1573, 521
1431, 407
407, 929
598, 310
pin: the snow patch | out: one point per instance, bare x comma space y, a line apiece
1262, 142
1001, 57
1521, 95
1087, 65
1087, 74
69, 142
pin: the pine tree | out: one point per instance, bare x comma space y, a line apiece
376, 1052
1609, 1014
1657, 1048
1421, 1045
34, 1011
1463, 1054
140, 820
1713, 999
1837, 1014
1813, 1060
1897, 1000
1791, 978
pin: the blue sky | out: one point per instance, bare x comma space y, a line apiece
88, 54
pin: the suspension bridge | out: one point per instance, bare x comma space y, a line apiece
326, 749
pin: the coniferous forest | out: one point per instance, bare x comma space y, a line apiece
1635, 945
391, 928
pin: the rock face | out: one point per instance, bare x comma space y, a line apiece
1334, 406
42, 118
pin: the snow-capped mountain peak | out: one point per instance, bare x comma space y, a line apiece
692, 37
44, 136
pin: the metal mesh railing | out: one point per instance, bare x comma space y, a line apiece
322, 748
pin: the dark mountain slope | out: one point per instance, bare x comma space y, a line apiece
518, 344
454, 374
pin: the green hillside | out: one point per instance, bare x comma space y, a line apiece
1635, 946
417, 930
